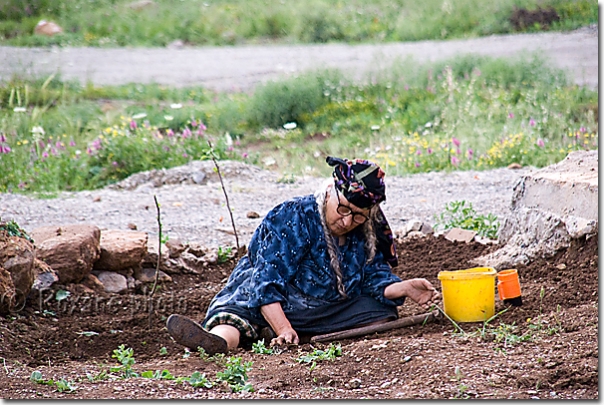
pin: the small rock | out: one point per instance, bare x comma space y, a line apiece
561, 266
175, 248
140, 5
113, 282
147, 275
514, 166
196, 249
96, 198
460, 235
132, 226
427, 229
354, 383
252, 214
47, 28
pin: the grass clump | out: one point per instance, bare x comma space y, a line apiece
111, 23
461, 214
468, 113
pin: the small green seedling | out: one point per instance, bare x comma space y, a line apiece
125, 356
163, 351
158, 375
330, 354
260, 348
224, 254
235, 375
461, 214
199, 380
61, 385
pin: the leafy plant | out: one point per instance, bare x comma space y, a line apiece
224, 254
61, 385
199, 380
260, 348
158, 375
163, 351
330, 354
235, 374
461, 214
14, 229
125, 356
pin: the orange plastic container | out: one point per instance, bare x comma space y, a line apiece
508, 286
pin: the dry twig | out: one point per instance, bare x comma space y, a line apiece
225, 194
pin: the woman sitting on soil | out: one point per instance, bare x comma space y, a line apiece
316, 264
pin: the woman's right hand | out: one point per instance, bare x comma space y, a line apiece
287, 336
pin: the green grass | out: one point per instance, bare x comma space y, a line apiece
228, 22
466, 113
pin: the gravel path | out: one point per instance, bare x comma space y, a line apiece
233, 68
197, 212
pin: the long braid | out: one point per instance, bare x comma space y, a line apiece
332, 248
369, 231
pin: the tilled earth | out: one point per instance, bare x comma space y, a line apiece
547, 348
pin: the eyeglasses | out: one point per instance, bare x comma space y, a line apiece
344, 211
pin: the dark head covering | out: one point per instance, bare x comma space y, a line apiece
360, 181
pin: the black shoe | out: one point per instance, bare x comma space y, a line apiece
189, 333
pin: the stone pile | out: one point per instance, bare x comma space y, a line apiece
84, 259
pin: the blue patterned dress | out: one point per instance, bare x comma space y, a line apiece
288, 262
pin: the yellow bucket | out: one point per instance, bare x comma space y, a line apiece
469, 295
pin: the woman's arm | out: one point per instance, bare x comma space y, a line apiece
274, 315
419, 290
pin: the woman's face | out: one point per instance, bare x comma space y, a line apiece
342, 216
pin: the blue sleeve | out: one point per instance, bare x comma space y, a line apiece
275, 251
376, 277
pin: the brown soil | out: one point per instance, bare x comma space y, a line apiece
559, 314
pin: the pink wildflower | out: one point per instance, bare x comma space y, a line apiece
170, 133
5, 149
511, 115
540, 143
133, 125
186, 133
429, 151
419, 152
417, 164
185, 155
244, 155
454, 161
583, 129
456, 141
193, 123
470, 154
2, 138
72, 143
44, 154
532, 122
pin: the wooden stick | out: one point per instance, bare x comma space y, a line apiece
366, 330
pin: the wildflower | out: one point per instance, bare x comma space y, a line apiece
429, 151
186, 133
175, 106
5, 149
470, 154
454, 161
19, 109
133, 125
185, 155
170, 133
114, 164
38, 130
168, 117
583, 129
44, 154
292, 125
96, 144
532, 122
417, 164
511, 115
540, 143
2, 138
419, 152
21, 185
193, 123
244, 155
72, 143
139, 116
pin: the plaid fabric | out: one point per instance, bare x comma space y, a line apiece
227, 318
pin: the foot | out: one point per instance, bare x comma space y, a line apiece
189, 333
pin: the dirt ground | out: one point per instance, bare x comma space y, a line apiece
557, 359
